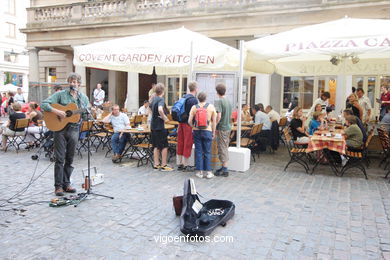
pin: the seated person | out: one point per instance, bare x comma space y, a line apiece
143, 110
385, 122
33, 129
309, 116
119, 121
262, 118
296, 126
353, 134
245, 113
317, 123
349, 112
273, 115
8, 129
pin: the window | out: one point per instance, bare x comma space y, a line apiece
10, 7
11, 30
298, 89
51, 75
177, 87
173, 90
7, 56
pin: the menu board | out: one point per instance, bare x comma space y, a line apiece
208, 81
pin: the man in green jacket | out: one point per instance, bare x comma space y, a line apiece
65, 140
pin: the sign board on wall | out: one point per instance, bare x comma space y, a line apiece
208, 81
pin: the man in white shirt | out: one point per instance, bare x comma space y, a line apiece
143, 110
98, 96
262, 118
119, 121
323, 100
19, 97
365, 103
273, 115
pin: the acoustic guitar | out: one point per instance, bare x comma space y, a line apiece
55, 123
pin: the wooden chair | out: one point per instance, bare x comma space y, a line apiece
138, 119
17, 138
102, 136
250, 141
282, 124
84, 135
385, 142
354, 160
297, 155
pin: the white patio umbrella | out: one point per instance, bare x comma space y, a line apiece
169, 52
346, 46
9, 87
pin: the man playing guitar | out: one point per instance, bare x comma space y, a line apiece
65, 140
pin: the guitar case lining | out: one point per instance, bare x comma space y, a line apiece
202, 218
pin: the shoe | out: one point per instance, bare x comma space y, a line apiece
70, 189
188, 169
180, 167
157, 167
199, 174
166, 168
28, 147
116, 158
224, 174
209, 175
219, 172
59, 192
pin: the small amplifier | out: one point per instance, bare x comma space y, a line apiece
96, 178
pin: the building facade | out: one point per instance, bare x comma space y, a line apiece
14, 65
54, 27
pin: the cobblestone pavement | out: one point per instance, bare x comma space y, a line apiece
279, 215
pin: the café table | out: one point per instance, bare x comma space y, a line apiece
327, 141
243, 123
139, 135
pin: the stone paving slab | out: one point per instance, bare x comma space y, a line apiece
279, 215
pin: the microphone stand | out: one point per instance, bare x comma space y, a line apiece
84, 195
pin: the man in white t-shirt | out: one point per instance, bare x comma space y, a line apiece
143, 110
323, 100
365, 103
273, 115
98, 95
119, 121
19, 97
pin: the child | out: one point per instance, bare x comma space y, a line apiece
317, 123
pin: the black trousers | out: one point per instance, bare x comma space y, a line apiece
65, 143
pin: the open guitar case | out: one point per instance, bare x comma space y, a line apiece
199, 218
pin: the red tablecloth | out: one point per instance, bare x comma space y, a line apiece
319, 142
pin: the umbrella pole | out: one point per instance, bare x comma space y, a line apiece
191, 62
240, 80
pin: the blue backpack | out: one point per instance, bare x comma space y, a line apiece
178, 109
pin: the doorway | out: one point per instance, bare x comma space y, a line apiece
145, 83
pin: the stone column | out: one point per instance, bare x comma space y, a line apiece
2, 78
81, 71
132, 99
25, 87
112, 86
263, 89
33, 65
69, 64
343, 88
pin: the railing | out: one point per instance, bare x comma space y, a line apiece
131, 8
63, 12
155, 4
108, 8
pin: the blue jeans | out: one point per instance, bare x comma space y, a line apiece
118, 144
202, 140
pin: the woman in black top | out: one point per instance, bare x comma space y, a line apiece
354, 105
8, 128
297, 127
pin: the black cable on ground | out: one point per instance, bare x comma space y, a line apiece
8, 202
